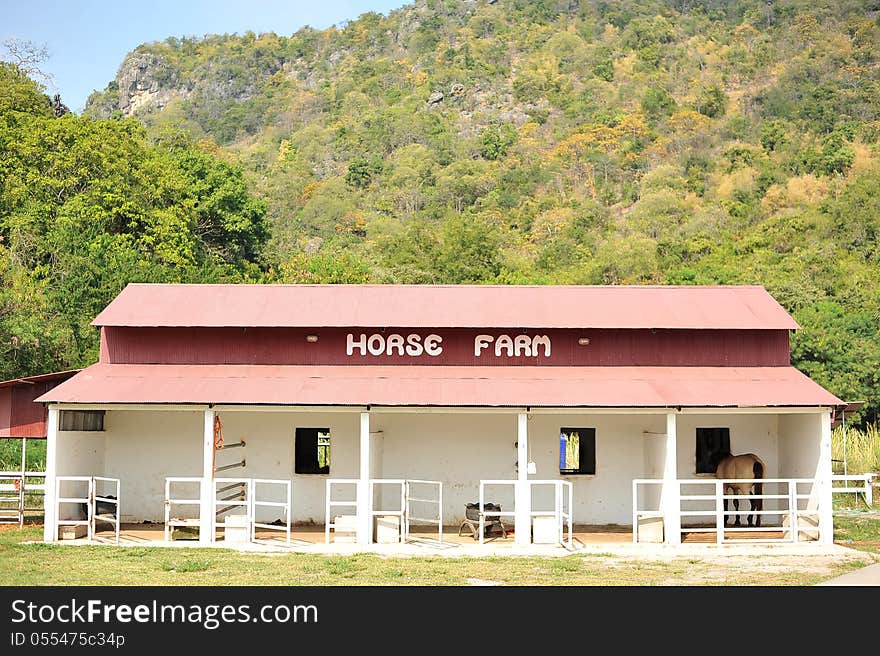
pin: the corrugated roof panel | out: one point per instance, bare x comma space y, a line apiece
444, 386
39, 378
446, 306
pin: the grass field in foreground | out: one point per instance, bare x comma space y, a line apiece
40, 564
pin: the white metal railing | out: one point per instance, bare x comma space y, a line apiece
230, 494
282, 486
331, 503
866, 487
85, 500
399, 513
563, 491
492, 513
94, 486
171, 519
107, 499
788, 496
12, 499
638, 512
425, 499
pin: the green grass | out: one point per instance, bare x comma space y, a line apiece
41, 564
861, 533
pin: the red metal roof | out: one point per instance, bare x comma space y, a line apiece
443, 386
19, 415
446, 306
40, 378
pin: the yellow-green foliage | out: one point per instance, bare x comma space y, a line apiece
539, 141
862, 449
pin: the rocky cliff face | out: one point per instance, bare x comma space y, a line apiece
146, 82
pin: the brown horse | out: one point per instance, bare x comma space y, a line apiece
744, 466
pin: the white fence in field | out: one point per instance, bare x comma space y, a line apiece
858, 484
17, 488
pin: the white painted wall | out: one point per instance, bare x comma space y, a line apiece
80, 453
270, 452
799, 440
605, 498
461, 449
145, 447
655, 456
456, 449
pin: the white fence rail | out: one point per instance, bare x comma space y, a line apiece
11, 499
16, 488
282, 490
399, 512
424, 494
563, 492
231, 494
787, 494
106, 499
349, 524
484, 514
91, 493
173, 501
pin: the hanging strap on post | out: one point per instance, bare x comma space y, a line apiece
218, 433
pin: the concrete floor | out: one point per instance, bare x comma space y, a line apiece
597, 539
314, 535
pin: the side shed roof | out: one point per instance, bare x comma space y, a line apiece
19, 415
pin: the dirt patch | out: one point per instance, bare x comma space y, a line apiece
737, 570
483, 582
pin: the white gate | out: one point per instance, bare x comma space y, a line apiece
233, 494
426, 499
561, 512
172, 517
489, 514
100, 485
398, 512
93, 487
346, 524
281, 490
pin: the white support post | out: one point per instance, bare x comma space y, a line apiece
671, 503
523, 498
49, 518
826, 518
206, 490
364, 502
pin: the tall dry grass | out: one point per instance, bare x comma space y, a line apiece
862, 449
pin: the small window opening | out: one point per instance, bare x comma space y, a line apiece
712, 445
312, 451
577, 451
81, 420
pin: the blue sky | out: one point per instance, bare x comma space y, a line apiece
87, 39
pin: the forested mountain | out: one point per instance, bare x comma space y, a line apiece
508, 141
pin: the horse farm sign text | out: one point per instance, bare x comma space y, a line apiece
414, 345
